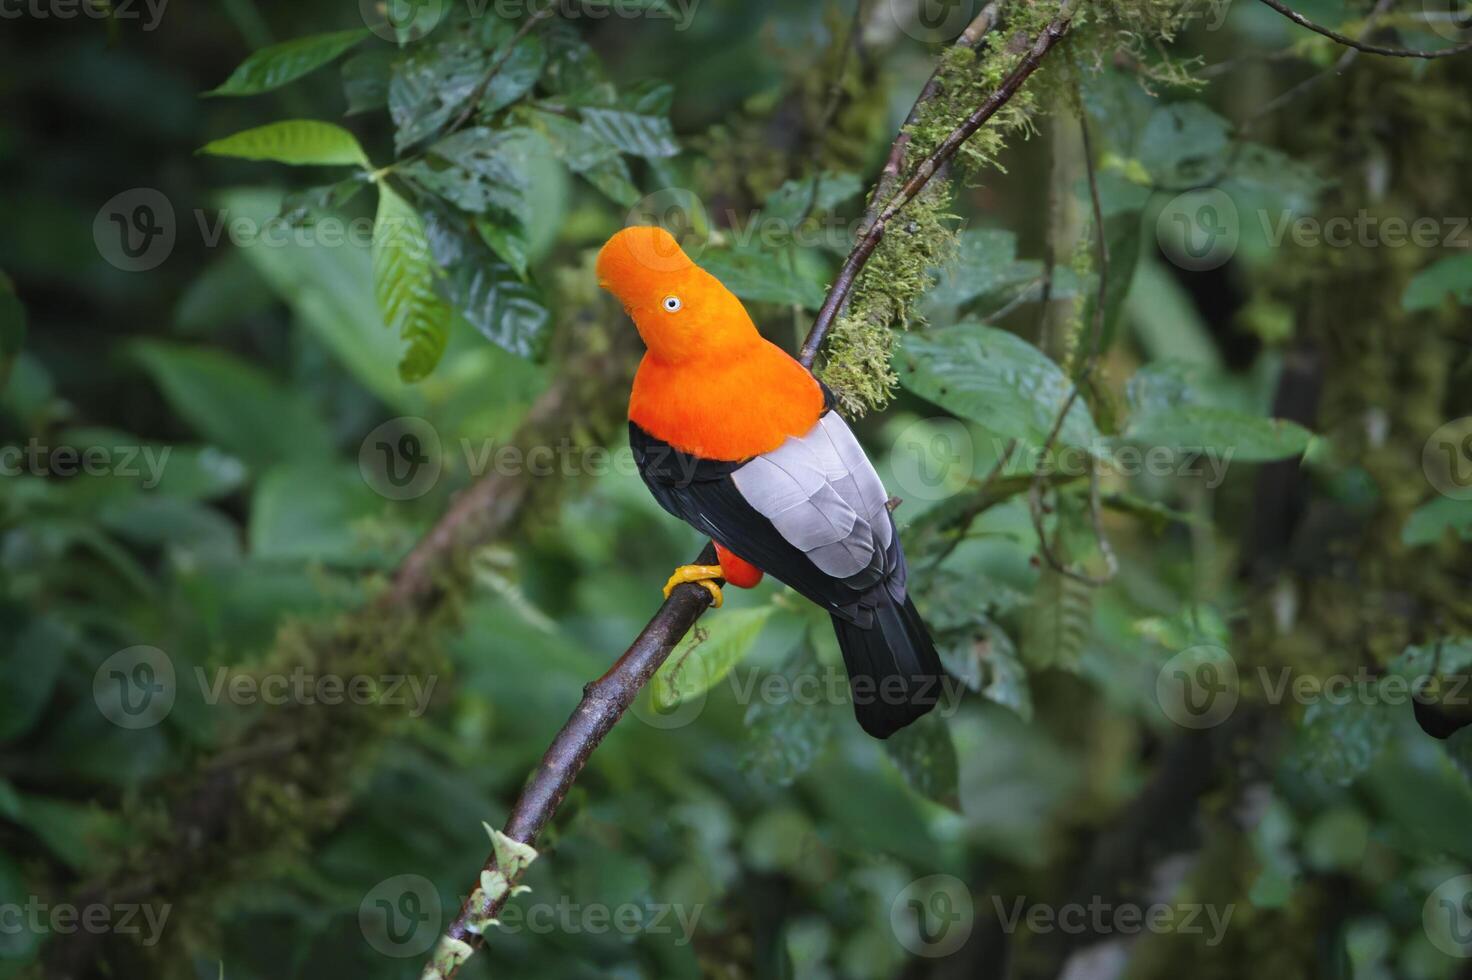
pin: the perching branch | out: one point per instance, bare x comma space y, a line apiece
605, 700
1358, 45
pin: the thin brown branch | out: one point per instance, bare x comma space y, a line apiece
605, 700
1346, 60
1359, 45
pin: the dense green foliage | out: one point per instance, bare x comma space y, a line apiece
1187, 537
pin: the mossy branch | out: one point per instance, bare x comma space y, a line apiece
977, 81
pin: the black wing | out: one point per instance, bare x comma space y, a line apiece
811, 513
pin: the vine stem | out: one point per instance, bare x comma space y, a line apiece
1096, 331
605, 699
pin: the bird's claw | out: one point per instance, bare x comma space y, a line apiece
702, 575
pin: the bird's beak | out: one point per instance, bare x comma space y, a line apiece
603, 284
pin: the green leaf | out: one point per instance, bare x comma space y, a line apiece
575, 144
1120, 108
1447, 277
1184, 144
228, 290
330, 290
19, 940
1238, 437
1442, 656
787, 734
1266, 175
631, 132
611, 176
365, 79
707, 654
509, 243
307, 512
985, 660
1459, 750
505, 310
995, 379
172, 470
10, 801
767, 277
924, 753
79, 835
481, 169
12, 327
403, 283
1430, 522
235, 405
273, 67
1059, 621
1338, 742
36, 650
1160, 386
812, 195
303, 206
574, 69
986, 267
583, 152
1165, 319
295, 141
516, 74
430, 87
1122, 205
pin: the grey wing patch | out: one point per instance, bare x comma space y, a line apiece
822, 495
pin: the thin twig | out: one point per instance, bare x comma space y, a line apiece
1035, 491
478, 93
1358, 45
605, 700
1339, 67
979, 503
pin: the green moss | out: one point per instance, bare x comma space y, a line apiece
858, 350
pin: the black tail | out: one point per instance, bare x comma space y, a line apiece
893, 670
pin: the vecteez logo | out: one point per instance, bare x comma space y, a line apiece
401, 916
135, 230
1198, 687
135, 688
1446, 916
933, 916
402, 458
1199, 230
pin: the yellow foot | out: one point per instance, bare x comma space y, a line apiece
700, 575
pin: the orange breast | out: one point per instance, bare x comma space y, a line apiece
729, 408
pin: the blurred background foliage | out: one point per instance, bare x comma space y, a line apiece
262, 357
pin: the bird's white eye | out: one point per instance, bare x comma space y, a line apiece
672, 304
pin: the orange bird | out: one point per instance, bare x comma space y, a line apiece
736, 438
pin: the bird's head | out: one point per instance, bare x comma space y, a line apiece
682, 312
